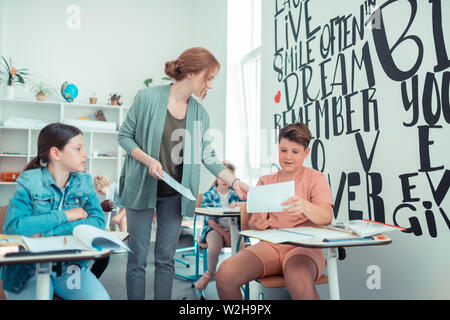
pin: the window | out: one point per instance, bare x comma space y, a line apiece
244, 87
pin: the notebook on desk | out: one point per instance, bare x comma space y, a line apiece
293, 234
10, 244
364, 227
85, 237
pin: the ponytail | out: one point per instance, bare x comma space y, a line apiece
33, 164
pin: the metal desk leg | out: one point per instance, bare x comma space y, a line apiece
234, 235
43, 271
333, 281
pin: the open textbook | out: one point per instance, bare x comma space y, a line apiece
85, 237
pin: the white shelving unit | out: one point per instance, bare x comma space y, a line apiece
19, 145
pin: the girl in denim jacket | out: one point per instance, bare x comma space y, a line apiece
53, 196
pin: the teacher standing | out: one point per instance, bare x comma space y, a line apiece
166, 129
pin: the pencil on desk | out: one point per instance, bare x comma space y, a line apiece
65, 241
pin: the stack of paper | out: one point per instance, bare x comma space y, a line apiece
92, 124
293, 234
366, 228
24, 123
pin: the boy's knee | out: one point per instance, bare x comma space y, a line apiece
224, 274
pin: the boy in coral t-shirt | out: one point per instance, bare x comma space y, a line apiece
311, 206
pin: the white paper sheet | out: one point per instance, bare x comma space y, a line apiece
177, 186
268, 198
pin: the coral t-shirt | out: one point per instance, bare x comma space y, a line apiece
310, 185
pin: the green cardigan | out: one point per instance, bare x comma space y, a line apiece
143, 128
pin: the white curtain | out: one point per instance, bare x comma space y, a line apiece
243, 87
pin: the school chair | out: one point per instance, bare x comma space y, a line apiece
196, 250
274, 281
2, 223
204, 246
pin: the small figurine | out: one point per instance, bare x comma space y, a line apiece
115, 99
99, 115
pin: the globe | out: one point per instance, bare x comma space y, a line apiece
69, 91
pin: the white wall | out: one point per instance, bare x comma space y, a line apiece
2, 12
415, 265
119, 45
210, 31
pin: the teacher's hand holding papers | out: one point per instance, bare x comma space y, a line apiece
241, 189
154, 167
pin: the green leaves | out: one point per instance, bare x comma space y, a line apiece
12, 74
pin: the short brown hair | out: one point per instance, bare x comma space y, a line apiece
192, 60
296, 132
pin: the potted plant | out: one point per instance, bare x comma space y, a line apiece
93, 99
42, 90
12, 75
115, 99
148, 82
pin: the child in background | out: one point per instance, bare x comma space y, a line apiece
53, 196
101, 184
216, 231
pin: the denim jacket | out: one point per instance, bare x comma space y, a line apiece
211, 199
34, 209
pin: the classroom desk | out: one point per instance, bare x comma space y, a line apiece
234, 228
331, 254
44, 264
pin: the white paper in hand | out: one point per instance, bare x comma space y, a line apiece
176, 185
268, 198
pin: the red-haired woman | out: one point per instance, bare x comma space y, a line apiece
166, 129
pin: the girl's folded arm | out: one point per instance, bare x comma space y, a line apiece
21, 220
95, 217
